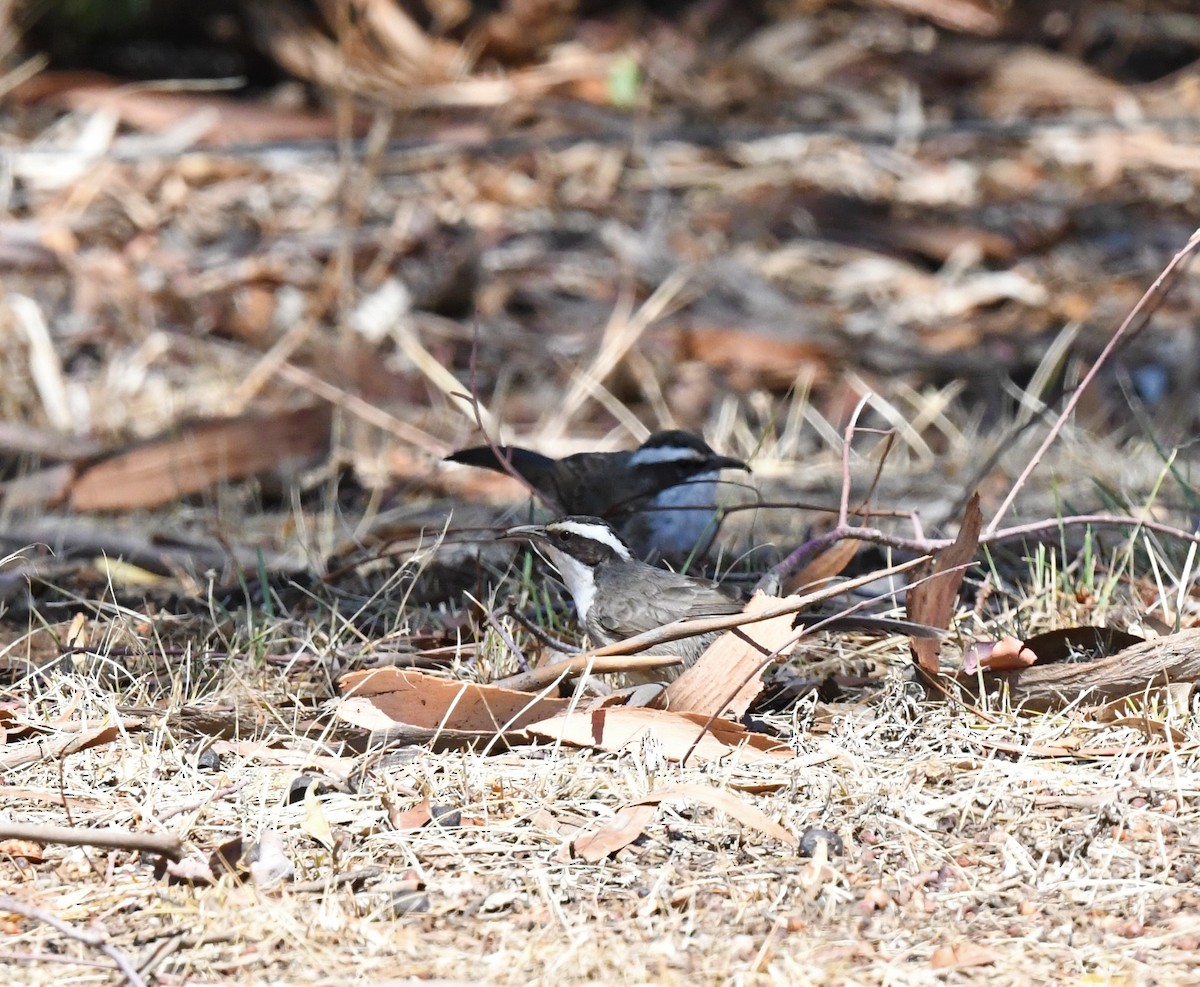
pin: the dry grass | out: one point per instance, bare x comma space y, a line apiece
592, 274
959, 833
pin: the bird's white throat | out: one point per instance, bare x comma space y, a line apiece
580, 578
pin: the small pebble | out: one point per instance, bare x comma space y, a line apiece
815, 835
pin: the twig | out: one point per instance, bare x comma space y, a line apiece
471, 396
502, 632
111, 839
32, 751
886, 539
368, 412
847, 446
200, 801
53, 958
544, 675
93, 939
1134, 322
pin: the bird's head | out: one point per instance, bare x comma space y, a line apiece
683, 452
575, 546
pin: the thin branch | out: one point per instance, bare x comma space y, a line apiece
165, 844
847, 447
1134, 322
89, 938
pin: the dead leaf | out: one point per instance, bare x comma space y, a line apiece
1079, 643
1030, 80
25, 849
967, 16
39, 749
961, 955
380, 699
825, 566
192, 869
315, 824
199, 456
270, 865
728, 676
76, 636
411, 818
1007, 653
932, 600
680, 735
751, 357
48, 487
1128, 672
217, 120
728, 802
227, 858
626, 826
631, 820
126, 574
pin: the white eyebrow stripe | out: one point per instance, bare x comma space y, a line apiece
596, 532
666, 454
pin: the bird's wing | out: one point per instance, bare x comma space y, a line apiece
593, 483
667, 597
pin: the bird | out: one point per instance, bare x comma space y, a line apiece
617, 596
659, 497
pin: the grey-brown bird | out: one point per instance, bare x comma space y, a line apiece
618, 596
659, 497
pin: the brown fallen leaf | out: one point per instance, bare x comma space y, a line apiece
1130, 671
751, 357
728, 676
40, 749
932, 600
24, 849
219, 120
1080, 643
1027, 80
631, 820
961, 955
44, 488
626, 826
825, 566
728, 802
200, 455
192, 869
1007, 653
412, 818
680, 735
967, 16
1064, 644
380, 699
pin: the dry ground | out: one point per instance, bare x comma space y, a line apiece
795, 212
961, 845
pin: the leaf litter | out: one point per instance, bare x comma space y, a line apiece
257, 356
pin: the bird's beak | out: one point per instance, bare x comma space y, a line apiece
529, 532
728, 463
